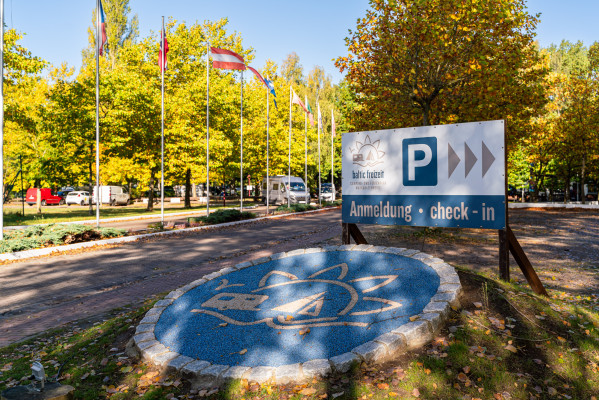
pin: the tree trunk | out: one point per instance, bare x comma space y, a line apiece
425, 114
567, 188
188, 188
150, 206
582, 178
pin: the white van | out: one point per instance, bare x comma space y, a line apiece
112, 195
327, 192
280, 189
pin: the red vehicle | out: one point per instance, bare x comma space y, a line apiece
47, 197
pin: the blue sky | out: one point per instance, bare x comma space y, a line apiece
57, 30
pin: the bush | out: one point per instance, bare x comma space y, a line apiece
55, 234
222, 216
297, 208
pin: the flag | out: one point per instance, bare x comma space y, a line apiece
102, 28
260, 78
165, 46
271, 88
226, 59
333, 127
310, 113
296, 100
319, 118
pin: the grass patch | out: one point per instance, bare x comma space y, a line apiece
51, 235
505, 343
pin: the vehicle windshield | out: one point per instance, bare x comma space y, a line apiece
325, 189
73, 193
298, 187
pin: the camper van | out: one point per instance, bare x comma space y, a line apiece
112, 195
327, 192
282, 186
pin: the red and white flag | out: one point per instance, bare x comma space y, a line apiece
226, 59
333, 127
296, 100
165, 46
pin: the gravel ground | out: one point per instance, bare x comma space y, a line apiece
562, 245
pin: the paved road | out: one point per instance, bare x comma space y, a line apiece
39, 294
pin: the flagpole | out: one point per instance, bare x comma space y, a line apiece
319, 182
241, 153
289, 163
332, 158
98, 40
162, 38
2, 121
208, 129
267, 152
306, 147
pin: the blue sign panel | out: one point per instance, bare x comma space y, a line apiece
442, 211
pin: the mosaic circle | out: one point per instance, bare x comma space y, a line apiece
301, 314
298, 308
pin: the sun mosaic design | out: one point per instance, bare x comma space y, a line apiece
295, 315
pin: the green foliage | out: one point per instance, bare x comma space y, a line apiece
296, 208
221, 216
54, 234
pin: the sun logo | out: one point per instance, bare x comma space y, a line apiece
367, 154
307, 311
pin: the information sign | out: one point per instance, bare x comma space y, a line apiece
443, 175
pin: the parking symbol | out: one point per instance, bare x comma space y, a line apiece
419, 161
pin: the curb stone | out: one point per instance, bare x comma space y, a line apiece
410, 335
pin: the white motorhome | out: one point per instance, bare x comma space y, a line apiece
282, 187
327, 192
112, 195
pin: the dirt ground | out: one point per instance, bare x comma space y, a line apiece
562, 245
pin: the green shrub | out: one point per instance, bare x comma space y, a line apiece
297, 208
54, 234
222, 216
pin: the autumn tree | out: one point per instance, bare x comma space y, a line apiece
439, 61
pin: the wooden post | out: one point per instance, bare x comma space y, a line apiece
345, 233
524, 263
504, 256
351, 231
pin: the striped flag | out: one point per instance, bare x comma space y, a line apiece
102, 28
164, 45
296, 100
333, 126
260, 78
310, 113
319, 118
226, 59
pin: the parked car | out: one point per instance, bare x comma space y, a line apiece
283, 187
77, 197
47, 197
112, 195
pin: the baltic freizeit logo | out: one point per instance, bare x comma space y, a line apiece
311, 310
367, 154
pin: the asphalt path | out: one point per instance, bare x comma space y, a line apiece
38, 294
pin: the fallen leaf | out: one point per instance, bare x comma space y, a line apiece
414, 318
392, 394
478, 304
551, 391
511, 348
335, 395
242, 352
466, 369
126, 369
308, 391
304, 331
383, 386
416, 392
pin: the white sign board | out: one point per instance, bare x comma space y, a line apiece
444, 175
